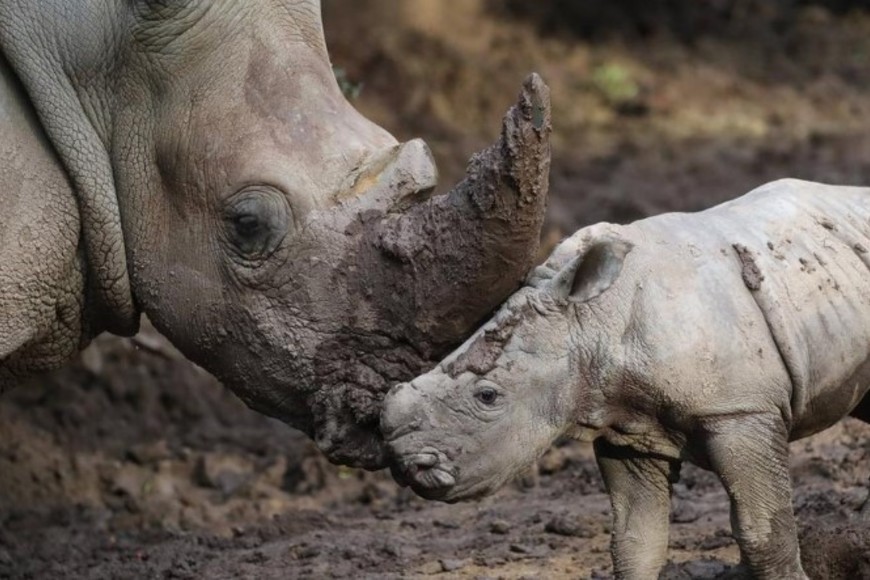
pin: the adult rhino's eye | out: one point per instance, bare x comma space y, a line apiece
257, 220
486, 395
247, 225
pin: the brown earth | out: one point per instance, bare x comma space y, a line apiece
133, 463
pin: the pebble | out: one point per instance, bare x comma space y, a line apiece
450, 565
500, 527
146, 453
720, 540
567, 526
685, 513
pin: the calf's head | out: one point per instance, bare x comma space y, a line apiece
492, 407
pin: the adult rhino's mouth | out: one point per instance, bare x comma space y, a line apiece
346, 428
355, 445
354, 372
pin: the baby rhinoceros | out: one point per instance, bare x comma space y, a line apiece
714, 338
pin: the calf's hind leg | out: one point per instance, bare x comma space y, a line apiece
862, 411
750, 456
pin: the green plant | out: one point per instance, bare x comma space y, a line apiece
615, 83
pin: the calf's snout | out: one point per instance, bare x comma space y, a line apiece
398, 416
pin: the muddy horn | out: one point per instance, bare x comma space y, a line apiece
455, 257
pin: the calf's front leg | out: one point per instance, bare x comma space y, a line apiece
750, 455
640, 494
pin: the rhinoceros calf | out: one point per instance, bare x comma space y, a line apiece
714, 338
196, 161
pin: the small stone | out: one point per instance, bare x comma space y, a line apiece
446, 524
490, 561
566, 526
519, 549
500, 527
449, 565
149, 452
685, 513
222, 472
430, 568
715, 542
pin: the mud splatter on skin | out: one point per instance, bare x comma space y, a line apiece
752, 275
481, 356
828, 224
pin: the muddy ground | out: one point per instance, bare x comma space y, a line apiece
133, 463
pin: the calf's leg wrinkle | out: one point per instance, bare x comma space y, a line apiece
750, 456
640, 495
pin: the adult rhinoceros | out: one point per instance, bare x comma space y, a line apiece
196, 161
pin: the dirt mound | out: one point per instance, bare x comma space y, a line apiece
839, 551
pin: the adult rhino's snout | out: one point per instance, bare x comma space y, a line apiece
400, 415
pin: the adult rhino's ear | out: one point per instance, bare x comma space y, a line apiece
591, 273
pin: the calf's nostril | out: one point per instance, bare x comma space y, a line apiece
423, 460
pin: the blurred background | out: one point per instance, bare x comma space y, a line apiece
658, 104
132, 462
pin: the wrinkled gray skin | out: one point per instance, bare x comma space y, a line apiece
714, 338
196, 161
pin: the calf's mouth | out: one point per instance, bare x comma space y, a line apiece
426, 472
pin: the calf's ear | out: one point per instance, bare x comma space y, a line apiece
592, 272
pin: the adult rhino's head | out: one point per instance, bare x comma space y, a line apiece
277, 237
493, 406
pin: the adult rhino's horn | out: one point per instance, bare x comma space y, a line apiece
461, 254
